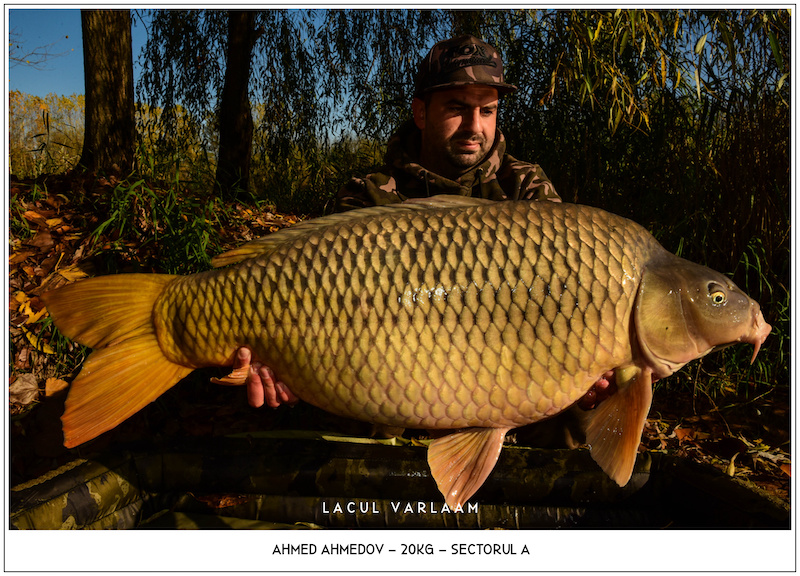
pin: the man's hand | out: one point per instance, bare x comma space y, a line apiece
602, 389
262, 387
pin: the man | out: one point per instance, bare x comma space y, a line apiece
451, 146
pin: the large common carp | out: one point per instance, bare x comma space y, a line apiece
447, 313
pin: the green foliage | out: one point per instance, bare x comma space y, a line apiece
177, 226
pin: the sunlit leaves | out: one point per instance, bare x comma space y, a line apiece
45, 134
619, 60
701, 42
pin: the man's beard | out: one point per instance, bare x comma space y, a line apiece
466, 160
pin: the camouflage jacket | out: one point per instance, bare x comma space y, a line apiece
499, 176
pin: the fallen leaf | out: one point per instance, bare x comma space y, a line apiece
25, 308
54, 385
684, 434
19, 257
48, 264
775, 458
43, 240
37, 342
61, 277
23, 390
19, 297
55, 200
35, 217
786, 469
21, 361
732, 466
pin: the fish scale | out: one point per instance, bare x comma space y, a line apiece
442, 319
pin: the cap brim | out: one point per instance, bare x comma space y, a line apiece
502, 88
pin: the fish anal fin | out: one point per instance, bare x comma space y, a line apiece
614, 428
114, 384
460, 462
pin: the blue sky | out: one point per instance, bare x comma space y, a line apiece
60, 30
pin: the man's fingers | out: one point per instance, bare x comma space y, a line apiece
605, 386
255, 389
286, 396
243, 357
262, 387
268, 385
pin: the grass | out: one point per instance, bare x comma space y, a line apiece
177, 225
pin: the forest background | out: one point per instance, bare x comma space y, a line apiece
677, 119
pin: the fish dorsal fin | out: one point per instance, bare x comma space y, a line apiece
614, 428
267, 244
460, 462
447, 201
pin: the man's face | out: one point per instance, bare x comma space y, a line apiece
458, 127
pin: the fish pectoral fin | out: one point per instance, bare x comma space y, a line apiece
237, 377
614, 428
460, 462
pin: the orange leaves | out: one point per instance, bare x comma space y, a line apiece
712, 438
254, 222
54, 385
42, 255
33, 216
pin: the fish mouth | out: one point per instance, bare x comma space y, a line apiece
757, 335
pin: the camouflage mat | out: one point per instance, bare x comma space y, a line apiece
310, 480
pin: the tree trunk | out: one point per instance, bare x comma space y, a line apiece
110, 132
235, 117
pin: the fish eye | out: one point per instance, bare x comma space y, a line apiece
717, 294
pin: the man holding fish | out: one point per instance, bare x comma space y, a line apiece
452, 145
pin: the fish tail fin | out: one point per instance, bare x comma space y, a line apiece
614, 428
128, 369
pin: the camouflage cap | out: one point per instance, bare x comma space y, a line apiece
458, 62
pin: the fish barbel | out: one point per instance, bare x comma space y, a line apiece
447, 313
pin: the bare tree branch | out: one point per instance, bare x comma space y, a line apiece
36, 58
